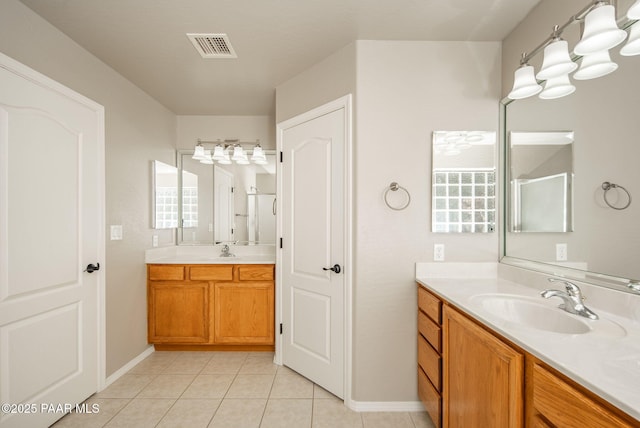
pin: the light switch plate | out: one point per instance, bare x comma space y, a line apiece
116, 232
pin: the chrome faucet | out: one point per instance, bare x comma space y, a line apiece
225, 251
572, 299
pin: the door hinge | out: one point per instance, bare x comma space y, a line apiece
232, 189
280, 242
281, 157
280, 328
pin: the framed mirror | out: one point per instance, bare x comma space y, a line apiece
602, 244
165, 196
463, 182
226, 203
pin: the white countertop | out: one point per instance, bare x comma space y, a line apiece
244, 254
605, 360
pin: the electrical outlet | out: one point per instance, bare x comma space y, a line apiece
561, 252
438, 252
154, 241
116, 232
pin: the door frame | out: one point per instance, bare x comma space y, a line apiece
345, 103
41, 80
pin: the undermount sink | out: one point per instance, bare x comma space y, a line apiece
527, 312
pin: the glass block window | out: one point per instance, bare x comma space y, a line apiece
464, 200
166, 207
190, 206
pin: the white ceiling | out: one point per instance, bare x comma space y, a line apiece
145, 40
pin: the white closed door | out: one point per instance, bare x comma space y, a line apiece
51, 229
313, 232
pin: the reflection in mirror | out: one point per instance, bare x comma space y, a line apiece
541, 179
605, 243
227, 203
463, 191
165, 196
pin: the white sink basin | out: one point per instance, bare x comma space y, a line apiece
527, 312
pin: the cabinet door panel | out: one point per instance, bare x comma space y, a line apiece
178, 312
244, 313
483, 377
430, 398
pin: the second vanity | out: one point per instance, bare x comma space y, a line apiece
493, 351
198, 300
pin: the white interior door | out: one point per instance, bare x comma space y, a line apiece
313, 232
51, 228
223, 205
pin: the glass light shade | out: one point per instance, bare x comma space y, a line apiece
258, 154
557, 87
207, 158
634, 11
556, 61
595, 65
198, 153
524, 83
600, 31
243, 160
226, 160
218, 152
238, 153
633, 44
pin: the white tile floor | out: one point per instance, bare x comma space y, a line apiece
225, 389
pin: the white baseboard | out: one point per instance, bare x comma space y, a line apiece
385, 406
131, 364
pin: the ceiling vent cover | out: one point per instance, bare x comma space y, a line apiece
212, 45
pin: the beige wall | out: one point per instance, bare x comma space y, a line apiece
138, 130
403, 91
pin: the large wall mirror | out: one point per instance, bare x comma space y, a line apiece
463, 182
226, 203
599, 237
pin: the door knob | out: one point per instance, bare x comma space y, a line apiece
92, 268
335, 268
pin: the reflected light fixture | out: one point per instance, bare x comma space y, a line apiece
632, 47
601, 33
595, 65
634, 11
557, 87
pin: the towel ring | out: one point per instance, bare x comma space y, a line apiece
606, 186
395, 187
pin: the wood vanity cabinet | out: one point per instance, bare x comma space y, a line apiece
211, 306
483, 376
486, 381
430, 354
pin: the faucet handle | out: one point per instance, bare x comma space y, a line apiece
571, 288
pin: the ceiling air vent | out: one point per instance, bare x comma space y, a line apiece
212, 45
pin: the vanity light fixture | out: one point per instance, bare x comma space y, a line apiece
600, 30
557, 61
221, 153
601, 33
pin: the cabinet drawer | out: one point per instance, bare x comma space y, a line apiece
430, 305
430, 362
430, 398
211, 273
255, 273
430, 330
563, 405
165, 272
